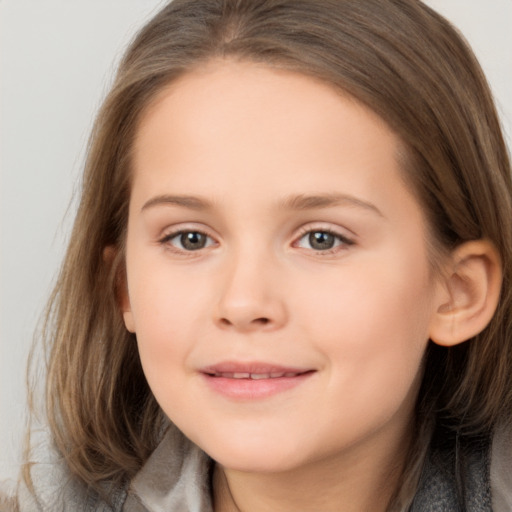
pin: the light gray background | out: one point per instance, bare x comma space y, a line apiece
56, 62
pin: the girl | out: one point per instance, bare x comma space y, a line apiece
288, 283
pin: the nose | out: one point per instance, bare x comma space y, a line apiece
251, 295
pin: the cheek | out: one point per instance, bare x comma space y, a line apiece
371, 323
165, 315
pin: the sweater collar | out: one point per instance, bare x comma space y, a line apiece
177, 476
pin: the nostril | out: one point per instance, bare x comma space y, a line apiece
262, 321
256, 321
245, 319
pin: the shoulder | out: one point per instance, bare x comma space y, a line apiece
501, 469
53, 488
176, 477
455, 474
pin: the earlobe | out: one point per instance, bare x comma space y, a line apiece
469, 293
124, 304
128, 321
110, 256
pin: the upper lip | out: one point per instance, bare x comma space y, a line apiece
248, 370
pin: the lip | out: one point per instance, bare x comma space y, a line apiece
253, 381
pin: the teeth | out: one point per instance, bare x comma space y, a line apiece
255, 376
241, 375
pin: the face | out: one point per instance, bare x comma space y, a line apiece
278, 280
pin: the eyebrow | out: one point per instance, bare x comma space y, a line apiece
298, 202
312, 202
191, 202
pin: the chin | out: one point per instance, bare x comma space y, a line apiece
269, 456
255, 463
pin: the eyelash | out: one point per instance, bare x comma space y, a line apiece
342, 241
166, 240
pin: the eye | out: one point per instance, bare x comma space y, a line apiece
322, 240
188, 240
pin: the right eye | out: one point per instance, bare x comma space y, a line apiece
188, 240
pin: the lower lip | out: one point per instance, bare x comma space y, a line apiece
254, 389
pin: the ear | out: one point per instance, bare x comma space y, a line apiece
110, 256
469, 294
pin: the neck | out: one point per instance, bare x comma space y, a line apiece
357, 482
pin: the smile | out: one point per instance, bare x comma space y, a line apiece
248, 382
255, 376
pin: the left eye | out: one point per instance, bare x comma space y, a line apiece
189, 240
322, 240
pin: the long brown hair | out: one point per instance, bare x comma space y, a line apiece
399, 58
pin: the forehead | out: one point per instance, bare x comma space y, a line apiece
228, 112
257, 93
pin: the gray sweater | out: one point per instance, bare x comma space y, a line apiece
176, 478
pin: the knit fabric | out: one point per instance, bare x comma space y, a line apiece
176, 478
456, 476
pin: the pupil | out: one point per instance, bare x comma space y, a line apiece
193, 241
321, 240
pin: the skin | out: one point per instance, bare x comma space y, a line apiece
248, 143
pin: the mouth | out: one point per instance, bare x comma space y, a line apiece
253, 381
254, 376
